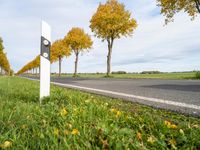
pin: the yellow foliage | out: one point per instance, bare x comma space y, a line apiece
151, 139
170, 125
111, 20
113, 110
78, 40
59, 49
6, 145
63, 112
118, 114
32, 64
170, 7
75, 131
56, 132
139, 136
4, 63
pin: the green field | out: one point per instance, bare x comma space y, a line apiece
71, 119
187, 75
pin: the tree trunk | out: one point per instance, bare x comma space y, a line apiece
110, 45
60, 61
1, 70
76, 64
36, 71
197, 5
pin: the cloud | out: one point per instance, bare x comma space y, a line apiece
152, 47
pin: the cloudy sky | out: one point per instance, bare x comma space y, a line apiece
175, 47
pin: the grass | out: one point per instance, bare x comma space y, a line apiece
186, 75
71, 119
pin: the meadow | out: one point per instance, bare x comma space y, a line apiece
71, 119
173, 76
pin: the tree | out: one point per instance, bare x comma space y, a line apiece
112, 21
4, 63
170, 7
1, 44
59, 49
78, 41
35, 63
1, 61
1, 55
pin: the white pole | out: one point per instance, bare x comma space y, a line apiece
45, 61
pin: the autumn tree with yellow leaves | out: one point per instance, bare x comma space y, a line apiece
4, 63
170, 7
59, 49
33, 64
78, 42
111, 21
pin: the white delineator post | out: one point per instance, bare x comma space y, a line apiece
45, 61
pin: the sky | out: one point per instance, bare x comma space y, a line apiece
153, 46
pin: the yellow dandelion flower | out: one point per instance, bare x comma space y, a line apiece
151, 139
167, 123
75, 131
173, 126
56, 132
63, 112
113, 110
170, 125
118, 114
6, 144
139, 136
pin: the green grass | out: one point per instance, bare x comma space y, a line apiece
187, 75
71, 119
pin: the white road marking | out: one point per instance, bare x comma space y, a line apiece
168, 102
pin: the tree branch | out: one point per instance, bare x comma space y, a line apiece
197, 5
76, 52
108, 40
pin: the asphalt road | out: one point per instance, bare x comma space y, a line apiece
182, 96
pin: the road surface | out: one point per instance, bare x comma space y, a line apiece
182, 96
